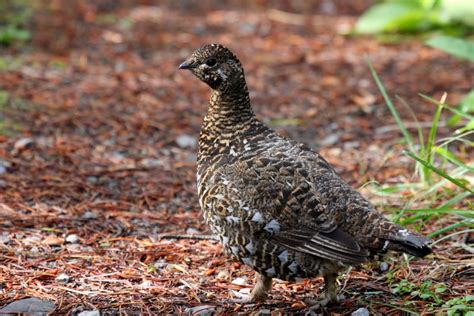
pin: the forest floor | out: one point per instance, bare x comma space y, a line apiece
98, 153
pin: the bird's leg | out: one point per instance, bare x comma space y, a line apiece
261, 288
330, 293
259, 292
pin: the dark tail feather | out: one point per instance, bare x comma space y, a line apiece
414, 251
404, 241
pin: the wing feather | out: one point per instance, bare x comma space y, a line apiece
336, 245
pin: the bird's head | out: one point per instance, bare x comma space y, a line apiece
215, 65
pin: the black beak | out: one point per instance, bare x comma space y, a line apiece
185, 65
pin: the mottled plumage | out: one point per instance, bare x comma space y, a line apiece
276, 205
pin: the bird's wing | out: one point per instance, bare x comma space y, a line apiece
294, 213
336, 245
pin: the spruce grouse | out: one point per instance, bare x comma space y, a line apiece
276, 205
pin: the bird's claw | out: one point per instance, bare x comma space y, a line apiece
323, 302
242, 300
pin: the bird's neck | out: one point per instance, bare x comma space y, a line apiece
229, 115
229, 111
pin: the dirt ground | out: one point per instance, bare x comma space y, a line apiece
98, 148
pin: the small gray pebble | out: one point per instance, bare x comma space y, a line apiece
89, 313
92, 180
4, 238
330, 140
185, 141
383, 267
146, 284
89, 215
29, 305
63, 278
200, 310
72, 239
160, 264
151, 163
5, 163
191, 157
22, 143
192, 231
361, 312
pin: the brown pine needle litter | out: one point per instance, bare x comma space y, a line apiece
97, 158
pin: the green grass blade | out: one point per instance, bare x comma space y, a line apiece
415, 119
454, 200
438, 171
392, 108
454, 110
460, 137
470, 230
452, 157
433, 131
439, 211
456, 173
413, 219
448, 229
395, 189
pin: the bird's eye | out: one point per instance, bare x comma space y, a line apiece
211, 62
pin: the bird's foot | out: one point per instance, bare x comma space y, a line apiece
243, 300
241, 297
329, 296
325, 300
259, 292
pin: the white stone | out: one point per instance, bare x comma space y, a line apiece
185, 141
63, 278
89, 313
383, 267
361, 312
239, 281
72, 239
22, 143
145, 284
192, 230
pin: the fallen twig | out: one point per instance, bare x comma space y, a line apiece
188, 236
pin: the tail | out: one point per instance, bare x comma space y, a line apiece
404, 241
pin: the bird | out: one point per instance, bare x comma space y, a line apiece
275, 204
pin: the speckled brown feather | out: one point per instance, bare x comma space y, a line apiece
278, 206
